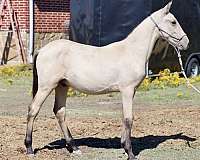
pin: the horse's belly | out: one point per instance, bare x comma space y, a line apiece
96, 90
87, 84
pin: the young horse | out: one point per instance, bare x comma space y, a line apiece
97, 70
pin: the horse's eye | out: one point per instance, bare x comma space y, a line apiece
174, 22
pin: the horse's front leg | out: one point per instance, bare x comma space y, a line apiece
127, 100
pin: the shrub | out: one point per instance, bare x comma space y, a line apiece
15, 71
166, 79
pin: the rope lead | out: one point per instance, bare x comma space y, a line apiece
183, 71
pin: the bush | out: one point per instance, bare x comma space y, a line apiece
166, 79
15, 71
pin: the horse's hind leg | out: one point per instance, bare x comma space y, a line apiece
59, 110
34, 108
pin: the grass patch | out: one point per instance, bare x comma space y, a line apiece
19, 74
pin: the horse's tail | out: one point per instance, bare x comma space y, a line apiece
35, 76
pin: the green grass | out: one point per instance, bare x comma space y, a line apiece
17, 95
170, 96
170, 154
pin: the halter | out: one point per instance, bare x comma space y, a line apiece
163, 31
178, 53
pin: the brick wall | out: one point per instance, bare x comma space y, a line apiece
50, 15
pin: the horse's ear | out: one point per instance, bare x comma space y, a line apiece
167, 8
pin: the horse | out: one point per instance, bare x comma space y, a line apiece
117, 67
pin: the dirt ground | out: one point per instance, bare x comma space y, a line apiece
160, 132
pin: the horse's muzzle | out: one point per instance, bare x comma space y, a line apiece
184, 43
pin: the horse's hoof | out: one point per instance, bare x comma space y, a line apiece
31, 155
29, 151
77, 152
132, 158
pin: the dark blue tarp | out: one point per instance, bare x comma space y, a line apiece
101, 22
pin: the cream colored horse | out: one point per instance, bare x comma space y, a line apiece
116, 67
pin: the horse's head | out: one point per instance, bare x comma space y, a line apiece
169, 28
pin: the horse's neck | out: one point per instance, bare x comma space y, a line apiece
143, 39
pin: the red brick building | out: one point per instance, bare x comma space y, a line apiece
51, 21
50, 15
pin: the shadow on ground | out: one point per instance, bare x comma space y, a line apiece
139, 144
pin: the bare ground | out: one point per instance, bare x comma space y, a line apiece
160, 132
